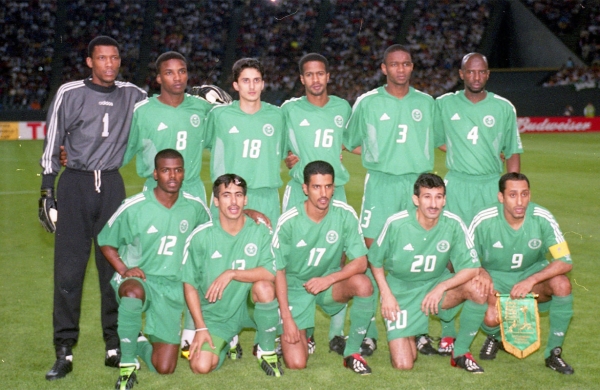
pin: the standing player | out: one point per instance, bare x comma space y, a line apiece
230, 258
476, 127
392, 128
316, 124
414, 249
91, 118
514, 238
247, 137
308, 244
144, 242
172, 119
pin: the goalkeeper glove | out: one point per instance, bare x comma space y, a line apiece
212, 94
47, 211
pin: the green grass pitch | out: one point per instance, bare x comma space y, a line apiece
564, 170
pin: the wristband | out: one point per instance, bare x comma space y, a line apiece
201, 329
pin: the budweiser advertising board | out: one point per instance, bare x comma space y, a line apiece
557, 124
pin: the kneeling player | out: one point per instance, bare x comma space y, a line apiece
150, 230
414, 249
227, 270
513, 238
308, 244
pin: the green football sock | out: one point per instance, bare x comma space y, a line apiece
266, 316
470, 318
449, 328
309, 332
372, 332
336, 324
561, 311
129, 327
144, 351
495, 331
360, 318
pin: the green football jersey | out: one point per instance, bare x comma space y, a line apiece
316, 133
396, 134
503, 248
476, 134
306, 249
210, 251
410, 253
157, 126
152, 237
249, 145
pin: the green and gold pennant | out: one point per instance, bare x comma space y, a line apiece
520, 324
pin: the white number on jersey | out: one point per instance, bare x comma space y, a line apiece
181, 140
238, 264
402, 134
400, 322
319, 254
429, 262
366, 218
473, 135
251, 148
517, 260
166, 243
327, 140
105, 123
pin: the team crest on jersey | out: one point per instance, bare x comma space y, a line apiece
195, 120
534, 243
331, 236
339, 121
443, 246
489, 120
250, 249
184, 226
268, 130
417, 115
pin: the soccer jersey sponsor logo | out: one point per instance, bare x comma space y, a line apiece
304, 123
161, 127
268, 130
408, 247
339, 121
216, 255
489, 120
184, 226
331, 236
195, 120
233, 130
300, 243
455, 117
417, 115
251, 249
498, 244
151, 230
384, 117
443, 246
534, 243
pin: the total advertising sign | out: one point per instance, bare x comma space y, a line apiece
528, 124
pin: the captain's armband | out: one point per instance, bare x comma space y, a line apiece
560, 251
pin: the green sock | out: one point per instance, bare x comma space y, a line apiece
360, 318
309, 332
470, 318
372, 332
266, 316
129, 327
561, 311
144, 351
449, 328
495, 331
336, 324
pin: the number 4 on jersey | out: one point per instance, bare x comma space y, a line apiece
473, 135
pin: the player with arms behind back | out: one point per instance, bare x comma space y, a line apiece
513, 238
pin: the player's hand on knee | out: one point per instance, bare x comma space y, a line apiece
201, 337
215, 291
316, 285
521, 289
432, 300
483, 284
389, 307
291, 334
48, 210
134, 272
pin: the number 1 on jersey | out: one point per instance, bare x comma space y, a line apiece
105, 127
